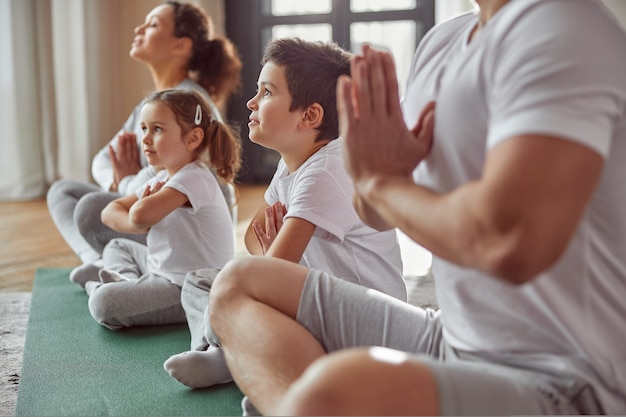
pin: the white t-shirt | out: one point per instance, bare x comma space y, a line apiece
537, 67
320, 191
190, 238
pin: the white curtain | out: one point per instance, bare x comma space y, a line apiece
66, 85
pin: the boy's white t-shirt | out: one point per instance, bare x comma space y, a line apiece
521, 75
320, 191
191, 238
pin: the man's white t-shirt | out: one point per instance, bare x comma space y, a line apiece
320, 191
535, 68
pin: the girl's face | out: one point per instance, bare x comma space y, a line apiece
272, 124
155, 37
163, 142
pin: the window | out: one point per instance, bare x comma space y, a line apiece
393, 25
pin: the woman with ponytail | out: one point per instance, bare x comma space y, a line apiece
177, 45
181, 209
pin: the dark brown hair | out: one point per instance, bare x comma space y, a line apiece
221, 146
311, 70
215, 63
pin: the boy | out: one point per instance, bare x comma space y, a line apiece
308, 217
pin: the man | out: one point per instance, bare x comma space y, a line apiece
520, 199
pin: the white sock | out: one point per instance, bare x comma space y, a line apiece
86, 272
199, 368
248, 409
108, 275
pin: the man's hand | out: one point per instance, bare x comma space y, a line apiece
376, 139
274, 216
125, 160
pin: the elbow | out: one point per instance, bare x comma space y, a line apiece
516, 258
139, 217
513, 268
105, 216
524, 263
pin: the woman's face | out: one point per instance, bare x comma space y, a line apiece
155, 37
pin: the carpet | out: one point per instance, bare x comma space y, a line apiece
73, 366
13, 319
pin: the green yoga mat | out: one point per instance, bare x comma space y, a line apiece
74, 366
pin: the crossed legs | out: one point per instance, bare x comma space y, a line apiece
255, 304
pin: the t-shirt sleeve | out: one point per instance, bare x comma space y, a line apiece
544, 85
325, 201
199, 186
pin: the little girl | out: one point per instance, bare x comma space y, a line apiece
182, 209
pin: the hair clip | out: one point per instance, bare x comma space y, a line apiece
198, 119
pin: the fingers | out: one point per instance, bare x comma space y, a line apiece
157, 187
345, 106
127, 147
260, 235
425, 128
270, 225
146, 192
391, 84
376, 82
279, 214
112, 155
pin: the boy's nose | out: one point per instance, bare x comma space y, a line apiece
251, 104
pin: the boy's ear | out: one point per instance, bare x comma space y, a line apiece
313, 116
194, 138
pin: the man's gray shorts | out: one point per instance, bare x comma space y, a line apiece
344, 315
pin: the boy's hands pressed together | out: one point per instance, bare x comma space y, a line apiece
274, 216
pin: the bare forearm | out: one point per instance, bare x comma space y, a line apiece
459, 226
252, 243
117, 218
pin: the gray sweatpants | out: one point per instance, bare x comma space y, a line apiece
342, 315
195, 301
144, 299
75, 208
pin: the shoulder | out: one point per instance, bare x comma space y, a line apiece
328, 161
442, 34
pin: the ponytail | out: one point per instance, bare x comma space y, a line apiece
217, 68
215, 63
224, 149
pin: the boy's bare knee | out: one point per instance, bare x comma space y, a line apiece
229, 285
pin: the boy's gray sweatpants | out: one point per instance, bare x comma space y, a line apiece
195, 301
